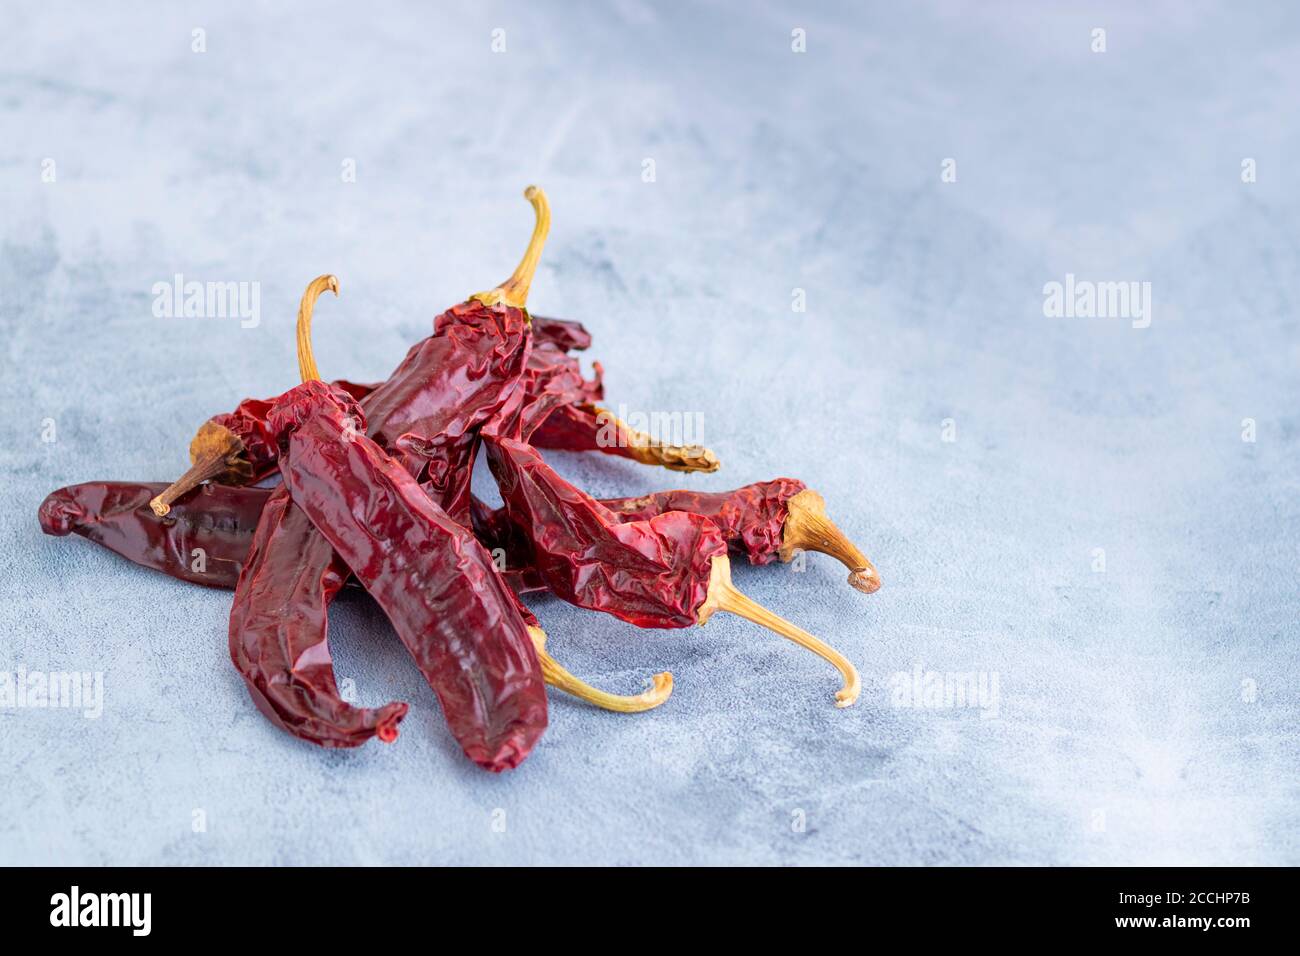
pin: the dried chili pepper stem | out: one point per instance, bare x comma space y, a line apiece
215, 451
514, 291
306, 360
723, 596
808, 529
556, 676
650, 451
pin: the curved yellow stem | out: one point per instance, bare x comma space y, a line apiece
648, 450
307, 370
723, 596
559, 678
514, 291
808, 529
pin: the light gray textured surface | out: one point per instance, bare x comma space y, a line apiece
1125, 733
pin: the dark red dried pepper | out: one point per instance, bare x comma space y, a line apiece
547, 400
431, 577
452, 380
670, 570
279, 628
205, 538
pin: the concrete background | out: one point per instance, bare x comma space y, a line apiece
1146, 714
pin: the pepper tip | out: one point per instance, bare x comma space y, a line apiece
865, 580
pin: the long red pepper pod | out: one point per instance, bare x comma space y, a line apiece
668, 571
205, 538
763, 521
432, 578
446, 448
279, 627
751, 518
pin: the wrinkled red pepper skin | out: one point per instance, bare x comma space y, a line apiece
430, 575
752, 518
573, 429
551, 378
248, 422
564, 334
652, 573
279, 628
217, 520
428, 412
552, 381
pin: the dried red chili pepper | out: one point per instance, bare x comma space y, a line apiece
459, 623
433, 403
415, 447
301, 569
765, 521
279, 629
205, 538
670, 570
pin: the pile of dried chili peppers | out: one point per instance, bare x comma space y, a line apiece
375, 489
